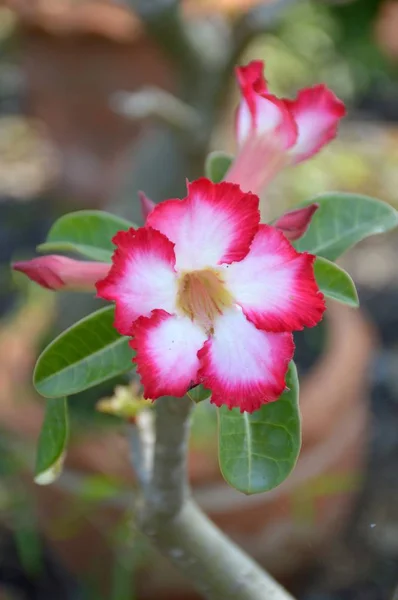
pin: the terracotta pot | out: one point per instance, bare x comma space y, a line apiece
70, 83
285, 529
74, 57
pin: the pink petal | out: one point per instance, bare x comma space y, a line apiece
142, 276
44, 273
244, 122
272, 116
265, 115
295, 223
275, 285
261, 113
167, 347
58, 273
252, 76
317, 112
214, 224
243, 366
147, 205
259, 160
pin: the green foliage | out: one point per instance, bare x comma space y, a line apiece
199, 393
52, 441
343, 220
335, 283
217, 165
86, 232
88, 353
258, 451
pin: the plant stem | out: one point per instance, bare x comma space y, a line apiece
215, 566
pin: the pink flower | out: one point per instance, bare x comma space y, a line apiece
211, 296
274, 132
60, 273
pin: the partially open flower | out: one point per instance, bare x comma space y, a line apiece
274, 132
211, 296
61, 273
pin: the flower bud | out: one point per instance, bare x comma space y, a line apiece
295, 223
147, 205
61, 273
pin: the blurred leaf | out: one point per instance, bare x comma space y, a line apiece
89, 352
335, 283
52, 441
343, 220
97, 488
87, 232
217, 165
29, 547
258, 451
199, 393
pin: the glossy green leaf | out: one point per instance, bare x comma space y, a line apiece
199, 393
343, 220
335, 283
53, 440
86, 232
217, 165
258, 451
89, 352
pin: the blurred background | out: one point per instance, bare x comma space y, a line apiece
88, 117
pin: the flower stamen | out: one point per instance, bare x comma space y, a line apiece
202, 296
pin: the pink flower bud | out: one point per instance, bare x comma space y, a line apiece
295, 223
147, 205
60, 273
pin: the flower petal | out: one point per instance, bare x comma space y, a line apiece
275, 285
142, 276
265, 115
244, 366
261, 113
167, 347
252, 76
214, 224
317, 112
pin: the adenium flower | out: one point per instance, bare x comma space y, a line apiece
57, 273
211, 296
275, 132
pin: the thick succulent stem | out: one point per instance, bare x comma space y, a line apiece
214, 565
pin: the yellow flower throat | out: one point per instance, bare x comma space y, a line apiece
202, 296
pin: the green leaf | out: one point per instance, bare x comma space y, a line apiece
343, 220
199, 393
217, 165
87, 232
52, 441
89, 352
258, 451
335, 283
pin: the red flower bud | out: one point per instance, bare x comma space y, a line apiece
60, 273
147, 205
295, 223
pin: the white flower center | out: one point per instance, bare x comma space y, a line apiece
202, 296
